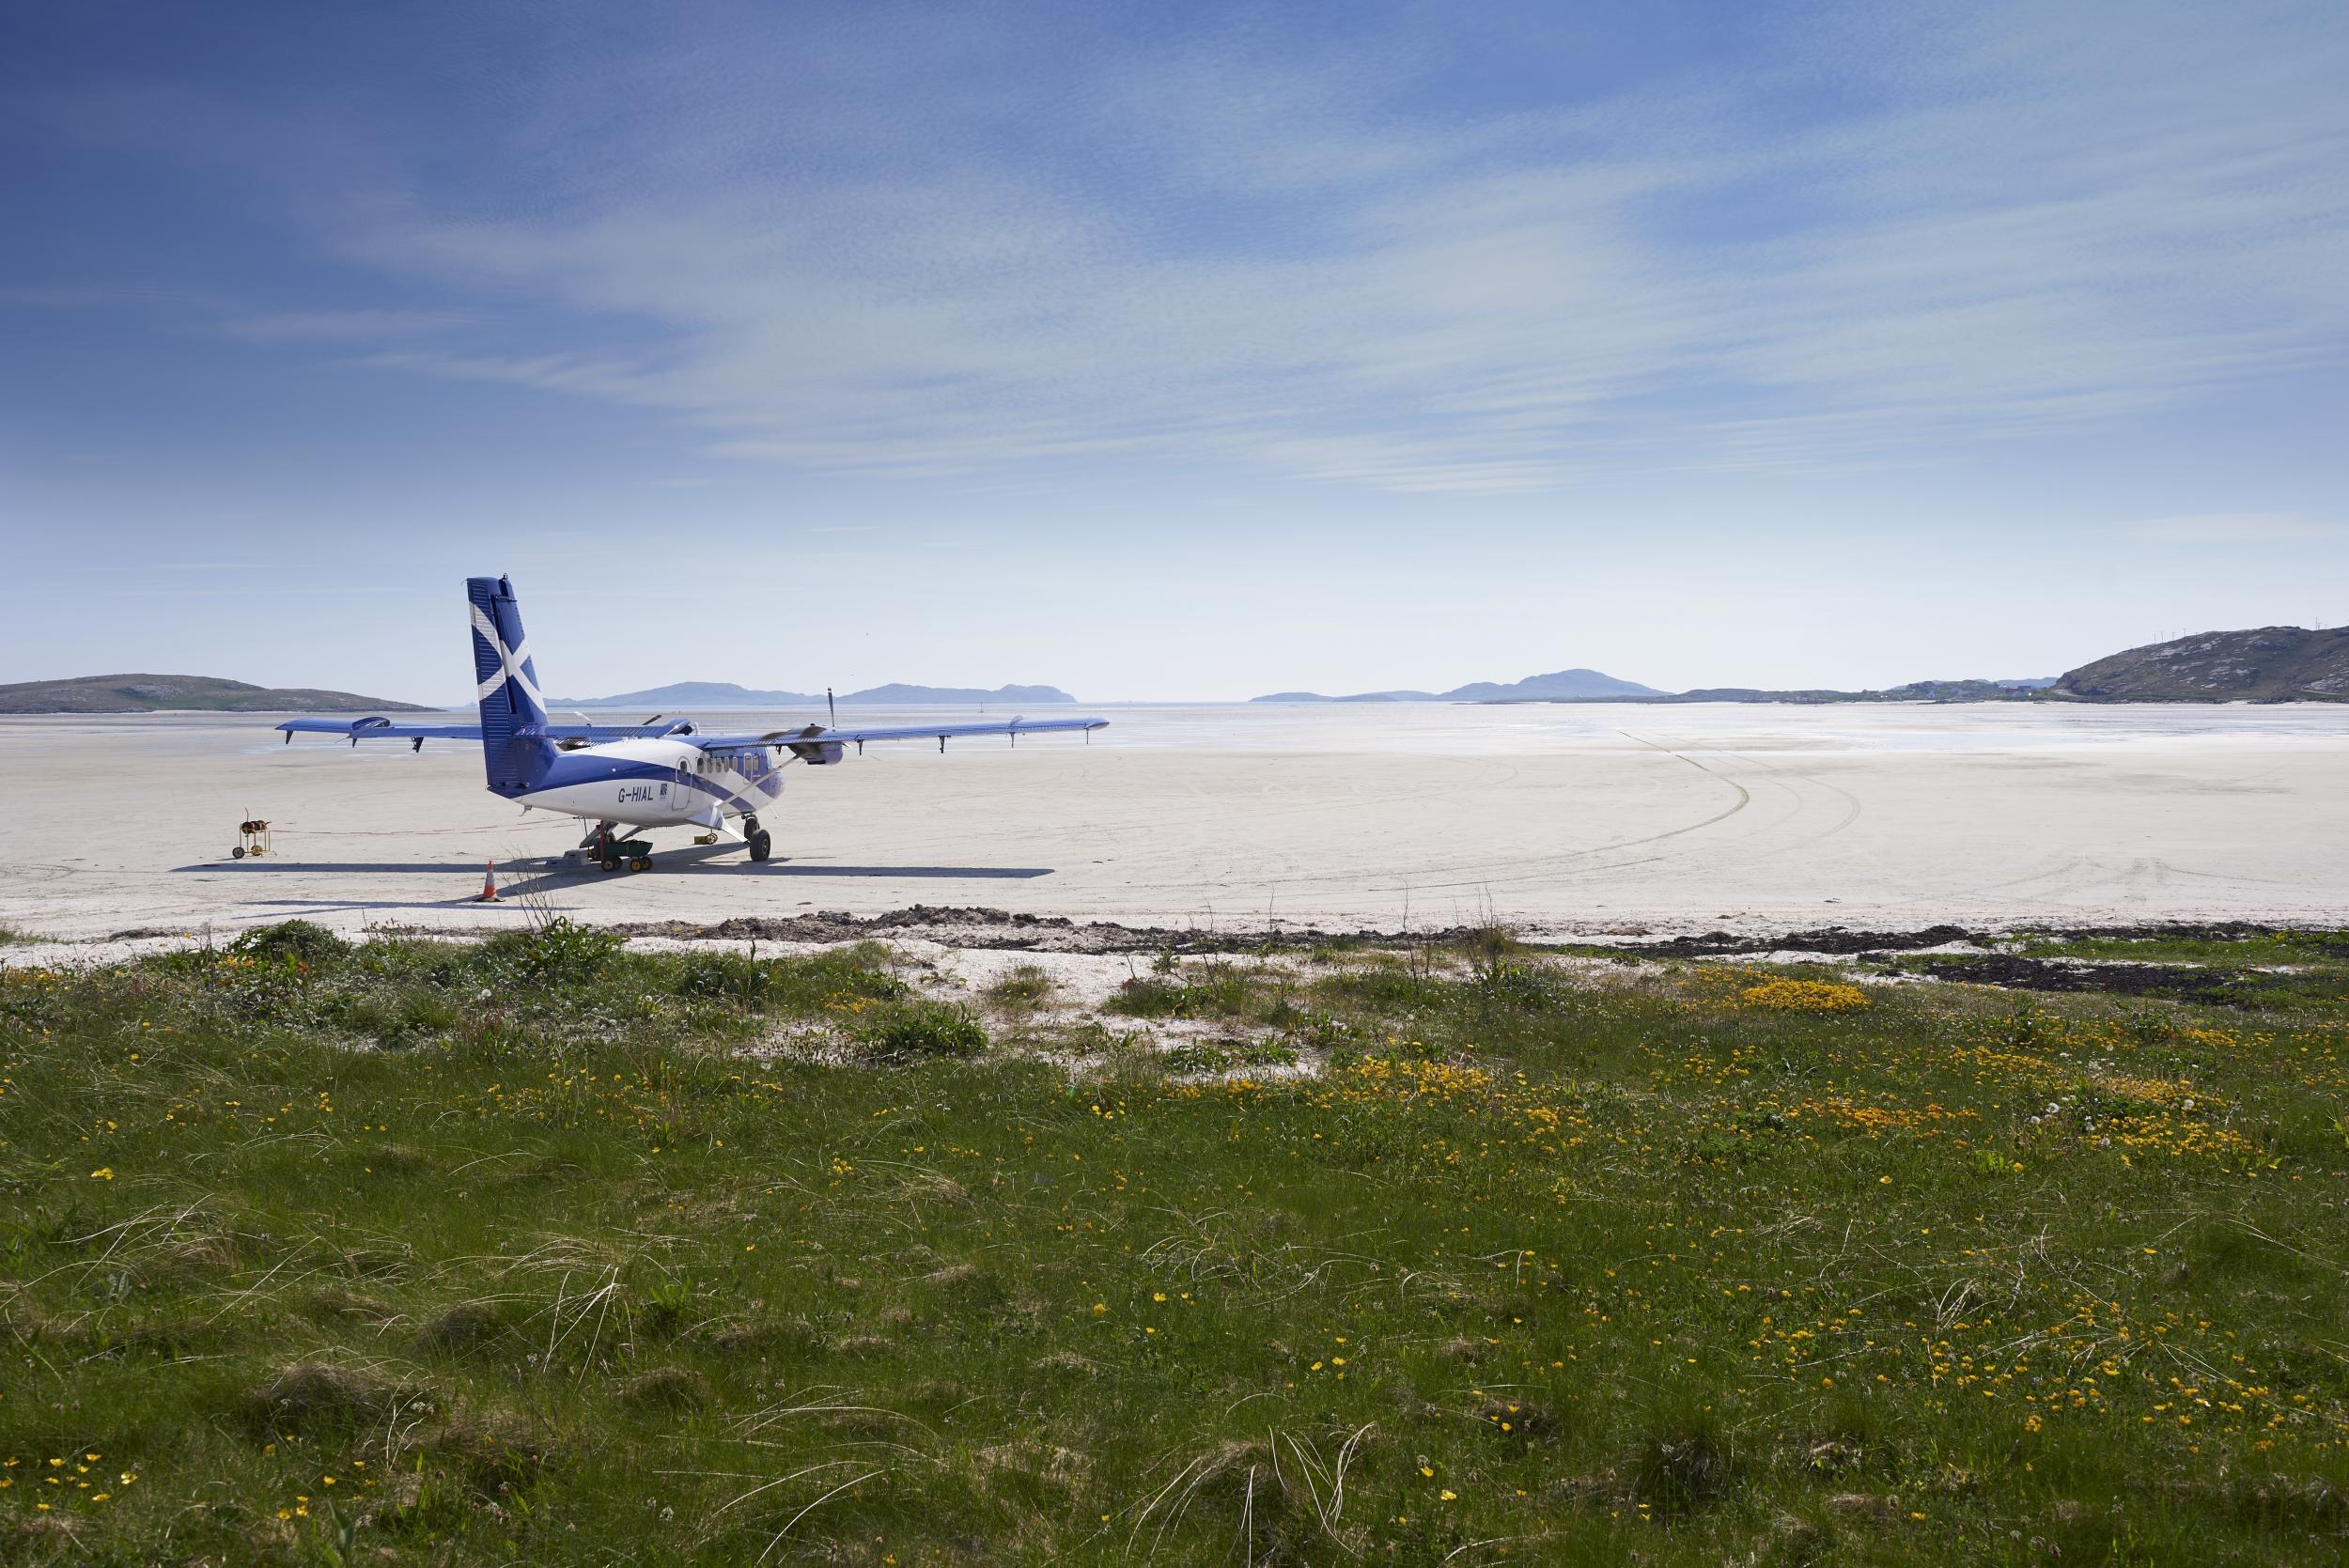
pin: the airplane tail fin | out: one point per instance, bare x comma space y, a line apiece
506, 684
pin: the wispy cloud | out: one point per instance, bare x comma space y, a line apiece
101, 296
226, 317
145, 566
972, 243
2229, 528
343, 326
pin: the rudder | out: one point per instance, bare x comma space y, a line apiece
506, 685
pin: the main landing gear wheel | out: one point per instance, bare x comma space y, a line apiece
756, 837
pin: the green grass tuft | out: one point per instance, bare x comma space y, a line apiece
1021, 989
912, 1031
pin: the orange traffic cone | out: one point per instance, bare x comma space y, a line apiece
488, 883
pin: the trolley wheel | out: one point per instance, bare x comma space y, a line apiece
611, 862
237, 853
760, 845
642, 863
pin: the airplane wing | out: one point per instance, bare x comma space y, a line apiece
812, 743
816, 743
378, 728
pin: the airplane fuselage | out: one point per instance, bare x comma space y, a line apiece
655, 784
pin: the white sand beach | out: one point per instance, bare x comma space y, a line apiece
1568, 820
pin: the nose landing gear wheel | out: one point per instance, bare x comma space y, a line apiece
760, 844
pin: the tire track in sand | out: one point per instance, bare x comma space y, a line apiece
1550, 867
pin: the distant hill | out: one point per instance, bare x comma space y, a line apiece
1913, 691
1357, 697
1560, 686
1969, 690
910, 695
1760, 695
1351, 697
1590, 686
2269, 664
157, 693
722, 693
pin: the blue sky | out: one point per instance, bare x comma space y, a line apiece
1177, 351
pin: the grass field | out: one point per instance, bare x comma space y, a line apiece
544, 1250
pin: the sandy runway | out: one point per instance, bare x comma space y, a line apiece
1566, 819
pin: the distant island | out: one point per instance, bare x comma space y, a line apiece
139, 693
722, 693
1558, 686
2268, 664
2264, 664
1910, 692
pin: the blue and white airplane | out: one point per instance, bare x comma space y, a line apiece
647, 775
